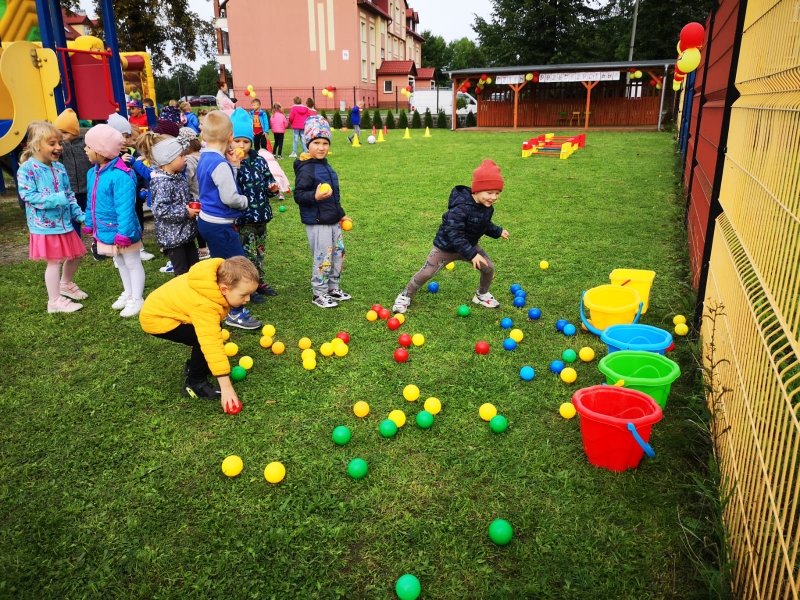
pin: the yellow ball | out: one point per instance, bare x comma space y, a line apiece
568, 375
308, 354
326, 349
275, 472
347, 225
433, 405
278, 348
516, 335
325, 188
411, 392
231, 349
398, 416
246, 362
487, 411
266, 341
304, 343
449, 266
372, 315
268, 330
335, 342
341, 350
681, 329
309, 364
586, 354
226, 335
544, 265
400, 317
361, 409
418, 339
232, 465
567, 410
678, 319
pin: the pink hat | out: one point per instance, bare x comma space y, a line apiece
105, 140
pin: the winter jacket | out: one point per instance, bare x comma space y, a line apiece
111, 206
224, 103
76, 163
263, 119
355, 116
50, 205
192, 298
298, 116
254, 179
191, 174
192, 122
143, 173
464, 224
140, 122
308, 174
278, 122
171, 198
220, 199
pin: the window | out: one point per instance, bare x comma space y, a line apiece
364, 54
394, 43
363, 32
372, 52
411, 82
433, 84
363, 70
387, 86
383, 52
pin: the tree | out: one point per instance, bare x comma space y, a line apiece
436, 54
366, 120
376, 119
441, 119
390, 120
337, 120
471, 120
658, 25
464, 54
416, 121
428, 118
402, 121
207, 78
182, 82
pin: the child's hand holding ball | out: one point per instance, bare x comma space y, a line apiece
323, 191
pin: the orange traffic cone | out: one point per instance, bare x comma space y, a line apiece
385, 130
269, 146
373, 130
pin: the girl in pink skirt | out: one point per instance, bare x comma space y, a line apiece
50, 209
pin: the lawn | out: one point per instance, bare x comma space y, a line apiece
110, 481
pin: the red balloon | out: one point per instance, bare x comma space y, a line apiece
408, 88
652, 82
384, 313
330, 88
482, 347
679, 77
484, 77
344, 336
393, 324
401, 355
477, 90
632, 70
404, 340
247, 92
535, 79
692, 36
377, 308
234, 408
468, 85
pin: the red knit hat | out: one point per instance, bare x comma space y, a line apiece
487, 177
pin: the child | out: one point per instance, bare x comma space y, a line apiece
50, 209
260, 125
279, 124
257, 183
191, 120
355, 121
188, 310
73, 157
310, 106
220, 201
176, 225
321, 213
136, 116
469, 217
135, 94
297, 121
111, 214
172, 114
192, 158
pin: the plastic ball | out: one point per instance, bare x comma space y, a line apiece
569, 355
681, 329
265, 341
377, 307
337, 343
671, 347
226, 335
361, 409
310, 364
387, 428
408, 587
411, 392
401, 355
506, 323
433, 287
357, 468
398, 416
500, 532
482, 347
520, 294
463, 310
498, 424
282, 209
527, 373
341, 350
392, 324
561, 323
544, 265
268, 330
231, 349
678, 319
324, 188
567, 410
450, 266
404, 340
569, 329
519, 301
308, 354
347, 225
344, 336
556, 366
238, 373
568, 375
341, 435
246, 362
516, 335
274, 472
515, 288
534, 314
487, 411
509, 344
424, 419
586, 354
384, 313
326, 349
304, 343
400, 317
433, 405
418, 339
371, 139
232, 465
278, 348
372, 315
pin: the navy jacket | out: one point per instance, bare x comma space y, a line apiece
464, 224
308, 174
77, 164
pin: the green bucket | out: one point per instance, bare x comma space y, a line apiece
646, 372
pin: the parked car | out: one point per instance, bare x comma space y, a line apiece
193, 100
206, 100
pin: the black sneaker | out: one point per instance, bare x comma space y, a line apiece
265, 290
94, 252
257, 298
339, 295
201, 389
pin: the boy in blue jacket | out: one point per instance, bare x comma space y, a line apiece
260, 125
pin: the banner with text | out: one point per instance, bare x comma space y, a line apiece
506, 79
584, 76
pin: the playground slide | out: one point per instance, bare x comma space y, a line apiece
18, 20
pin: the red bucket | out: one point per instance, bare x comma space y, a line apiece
616, 424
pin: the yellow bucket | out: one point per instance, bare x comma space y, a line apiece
612, 305
638, 279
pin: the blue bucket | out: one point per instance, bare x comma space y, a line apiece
636, 337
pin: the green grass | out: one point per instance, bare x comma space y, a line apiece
110, 481
15, 229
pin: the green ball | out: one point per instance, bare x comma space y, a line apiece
498, 424
463, 310
424, 419
341, 435
569, 355
408, 587
238, 373
388, 428
357, 468
282, 209
500, 532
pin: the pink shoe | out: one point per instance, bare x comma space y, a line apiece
64, 305
71, 290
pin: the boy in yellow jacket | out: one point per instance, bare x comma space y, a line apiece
188, 310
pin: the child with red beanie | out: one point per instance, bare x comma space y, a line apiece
469, 217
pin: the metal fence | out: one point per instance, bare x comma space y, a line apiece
343, 98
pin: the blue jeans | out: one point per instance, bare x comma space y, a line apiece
297, 134
223, 242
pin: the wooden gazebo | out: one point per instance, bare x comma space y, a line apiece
583, 94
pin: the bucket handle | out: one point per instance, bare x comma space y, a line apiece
585, 321
648, 449
638, 312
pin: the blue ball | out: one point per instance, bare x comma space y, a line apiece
433, 287
520, 294
557, 366
509, 344
515, 287
527, 373
534, 314
519, 302
561, 323
506, 323
569, 329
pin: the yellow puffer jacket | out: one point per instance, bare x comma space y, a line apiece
193, 299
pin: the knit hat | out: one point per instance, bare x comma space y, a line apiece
105, 140
166, 151
171, 113
316, 127
167, 128
187, 133
242, 124
68, 121
487, 177
120, 123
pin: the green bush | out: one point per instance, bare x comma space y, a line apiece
402, 121
471, 122
441, 120
428, 118
349, 116
366, 120
461, 102
390, 121
337, 120
323, 114
416, 120
376, 119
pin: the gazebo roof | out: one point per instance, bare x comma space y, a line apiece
600, 66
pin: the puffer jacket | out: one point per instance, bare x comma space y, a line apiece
76, 163
464, 224
192, 298
50, 205
308, 174
111, 207
253, 179
298, 116
170, 199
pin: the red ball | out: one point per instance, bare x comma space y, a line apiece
393, 324
482, 347
344, 336
233, 410
377, 308
401, 355
404, 340
384, 313
692, 36
671, 347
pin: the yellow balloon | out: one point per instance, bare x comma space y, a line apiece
433, 405
398, 416
372, 315
232, 466
450, 266
400, 317
418, 339
231, 349
487, 411
529, 77
304, 343
275, 472
678, 319
676, 86
567, 410
265, 341
226, 335
586, 354
308, 354
309, 364
246, 362
341, 350
516, 335
638, 74
361, 409
411, 392
544, 265
689, 60
326, 349
681, 329
278, 348
268, 330
569, 375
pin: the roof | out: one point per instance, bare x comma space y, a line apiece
426, 73
600, 66
397, 67
413, 33
370, 5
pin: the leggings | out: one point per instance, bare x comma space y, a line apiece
131, 272
278, 149
439, 258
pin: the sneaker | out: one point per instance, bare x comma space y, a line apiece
324, 301
257, 298
95, 255
265, 290
486, 300
132, 308
293, 155
71, 290
401, 303
63, 304
201, 389
121, 302
203, 253
242, 321
350, 139
146, 255
168, 268
339, 295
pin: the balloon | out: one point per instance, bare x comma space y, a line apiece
250, 87
658, 86
676, 85
679, 49
689, 60
484, 77
468, 85
692, 35
632, 70
408, 88
679, 77
489, 80
637, 74
535, 79
247, 92
529, 77
652, 82
330, 88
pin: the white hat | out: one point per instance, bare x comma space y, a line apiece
120, 123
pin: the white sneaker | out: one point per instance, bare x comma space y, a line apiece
401, 303
168, 268
486, 300
293, 155
324, 301
146, 255
121, 302
132, 308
